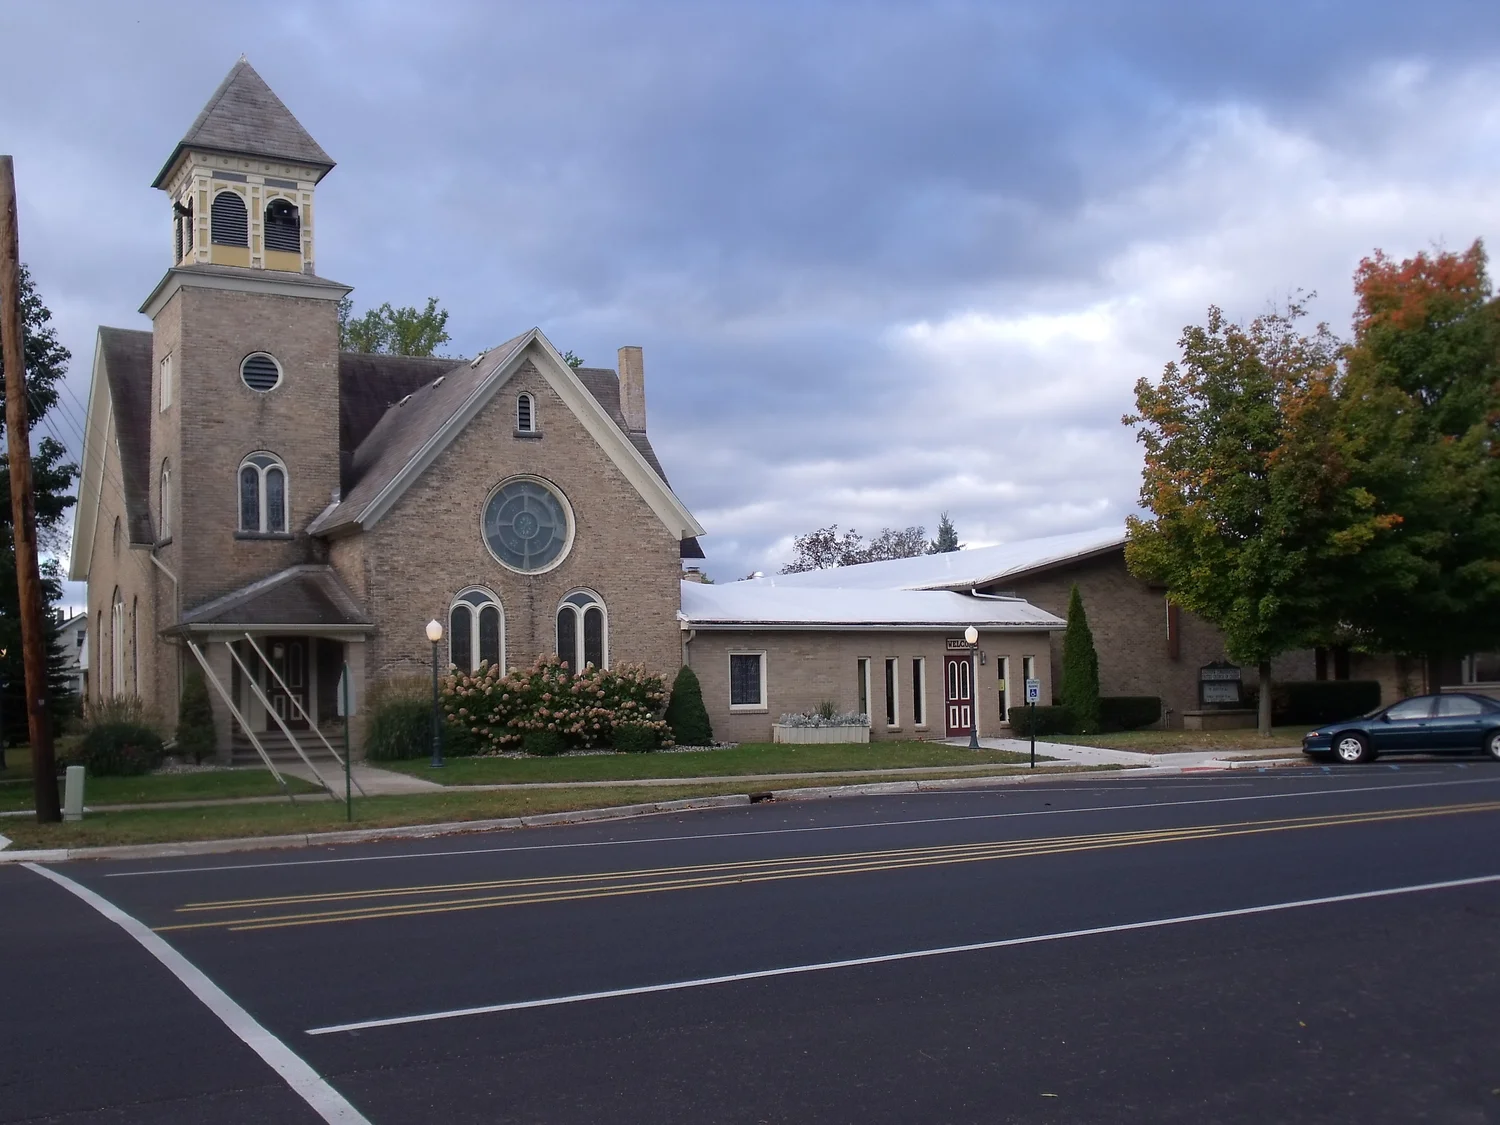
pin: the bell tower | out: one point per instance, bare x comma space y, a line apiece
245, 348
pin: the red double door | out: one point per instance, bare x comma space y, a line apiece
959, 692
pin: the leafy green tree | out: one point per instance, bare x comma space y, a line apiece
1080, 668
828, 547
947, 537
393, 331
1247, 482
195, 718
52, 482
572, 360
686, 716
1421, 398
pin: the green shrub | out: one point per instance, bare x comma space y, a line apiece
686, 716
1079, 689
1049, 720
120, 709
583, 710
195, 719
119, 749
1295, 702
399, 728
543, 743
635, 738
1128, 712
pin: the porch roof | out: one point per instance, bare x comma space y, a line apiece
310, 597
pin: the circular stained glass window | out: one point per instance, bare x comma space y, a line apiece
526, 525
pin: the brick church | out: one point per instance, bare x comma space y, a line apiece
258, 503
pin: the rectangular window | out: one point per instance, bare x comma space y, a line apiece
166, 381
1028, 672
892, 712
863, 686
1482, 668
919, 692
1002, 665
747, 680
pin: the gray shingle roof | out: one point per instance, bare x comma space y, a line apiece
127, 368
308, 595
244, 117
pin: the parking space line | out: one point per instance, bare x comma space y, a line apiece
890, 958
305, 1082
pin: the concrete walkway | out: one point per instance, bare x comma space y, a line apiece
1067, 754
369, 780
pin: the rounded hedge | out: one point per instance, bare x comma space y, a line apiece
119, 750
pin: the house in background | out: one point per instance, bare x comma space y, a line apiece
72, 643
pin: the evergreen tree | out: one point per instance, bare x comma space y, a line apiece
947, 537
52, 482
195, 718
1080, 668
686, 716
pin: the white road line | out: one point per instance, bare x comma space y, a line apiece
884, 959
305, 1082
795, 831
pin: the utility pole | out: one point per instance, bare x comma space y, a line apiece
23, 505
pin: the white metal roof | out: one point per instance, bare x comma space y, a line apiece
751, 605
952, 570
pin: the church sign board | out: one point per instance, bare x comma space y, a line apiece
1219, 684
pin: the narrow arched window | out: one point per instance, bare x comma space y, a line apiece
165, 523
263, 494
283, 227
525, 413
135, 646
117, 644
582, 630
229, 222
476, 630
189, 225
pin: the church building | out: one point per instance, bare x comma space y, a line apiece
259, 504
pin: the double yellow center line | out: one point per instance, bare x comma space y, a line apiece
278, 912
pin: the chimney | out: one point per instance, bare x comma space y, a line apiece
633, 389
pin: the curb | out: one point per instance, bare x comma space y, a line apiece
618, 812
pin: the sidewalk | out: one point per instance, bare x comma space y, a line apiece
1103, 756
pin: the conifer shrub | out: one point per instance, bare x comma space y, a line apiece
686, 716
195, 719
1079, 690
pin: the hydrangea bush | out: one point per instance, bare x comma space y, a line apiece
581, 711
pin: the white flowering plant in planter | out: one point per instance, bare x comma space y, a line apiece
825, 724
819, 719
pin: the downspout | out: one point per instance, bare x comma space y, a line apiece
687, 640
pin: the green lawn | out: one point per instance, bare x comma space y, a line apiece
1172, 741
17, 794
748, 758
168, 824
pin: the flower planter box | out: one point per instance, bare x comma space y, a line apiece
808, 735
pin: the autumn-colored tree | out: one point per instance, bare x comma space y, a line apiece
1248, 484
1421, 402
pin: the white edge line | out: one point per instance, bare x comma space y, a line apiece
305, 1082
887, 958
796, 831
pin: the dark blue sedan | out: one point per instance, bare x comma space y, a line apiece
1448, 723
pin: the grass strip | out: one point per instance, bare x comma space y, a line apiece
749, 758
151, 788
173, 825
1175, 741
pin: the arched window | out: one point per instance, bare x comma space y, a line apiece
165, 523
117, 644
135, 646
229, 222
263, 494
525, 413
189, 225
283, 226
476, 631
582, 627
260, 372
117, 536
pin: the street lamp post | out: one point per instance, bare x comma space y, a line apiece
435, 635
971, 635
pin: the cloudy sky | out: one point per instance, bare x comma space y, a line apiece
884, 259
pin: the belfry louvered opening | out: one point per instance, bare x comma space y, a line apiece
524, 418
229, 221
260, 372
283, 227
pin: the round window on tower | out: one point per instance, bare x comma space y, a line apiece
528, 525
260, 371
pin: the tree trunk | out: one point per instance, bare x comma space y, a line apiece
1265, 698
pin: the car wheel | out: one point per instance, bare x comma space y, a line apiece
1352, 748
1492, 744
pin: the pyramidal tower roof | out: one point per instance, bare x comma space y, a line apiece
246, 118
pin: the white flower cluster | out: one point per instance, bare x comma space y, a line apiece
817, 719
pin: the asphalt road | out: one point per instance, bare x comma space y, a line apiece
723, 940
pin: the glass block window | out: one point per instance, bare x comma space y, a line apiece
263, 494
527, 525
582, 627
747, 681
476, 630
